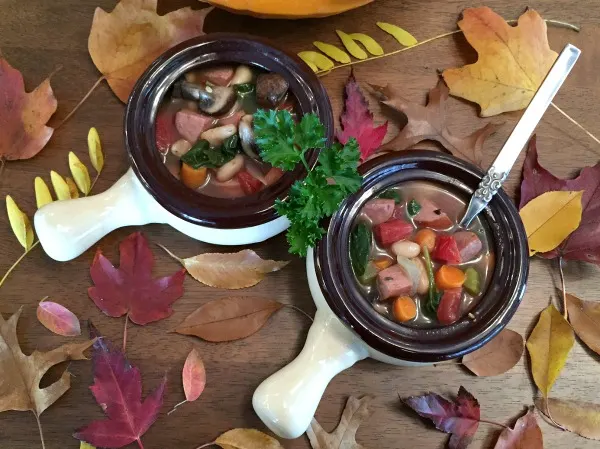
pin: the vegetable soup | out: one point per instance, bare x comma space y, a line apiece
204, 128
413, 261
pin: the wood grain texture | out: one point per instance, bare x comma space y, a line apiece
37, 36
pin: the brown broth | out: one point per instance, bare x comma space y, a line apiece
454, 206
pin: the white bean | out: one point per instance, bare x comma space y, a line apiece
180, 147
243, 74
424, 279
230, 169
406, 248
216, 136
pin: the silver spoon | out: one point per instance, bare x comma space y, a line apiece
498, 171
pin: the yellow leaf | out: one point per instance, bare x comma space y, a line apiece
333, 52
247, 439
61, 188
549, 346
20, 224
351, 46
84, 445
370, 44
80, 173
73, 192
582, 418
318, 59
550, 218
400, 34
512, 61
95, 149
42, 192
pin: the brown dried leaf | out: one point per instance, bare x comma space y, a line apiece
232, 271
344, 435
584, 317
21, 374
429, 123
247, 439
525, 435
498, 356
582, 418
228, 319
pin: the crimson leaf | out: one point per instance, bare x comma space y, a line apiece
357, 121
118, 390
130, 289
584, 242
460, 418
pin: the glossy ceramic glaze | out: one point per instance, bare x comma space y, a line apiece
148, 193
347, 328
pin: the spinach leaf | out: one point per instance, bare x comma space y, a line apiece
434, 296
413, 208
203, 155
360, 247
391, 194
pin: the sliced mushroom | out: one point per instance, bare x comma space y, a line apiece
230, 169
211, 99
247, 136
181, 147
270, 89
243, 74
216, 136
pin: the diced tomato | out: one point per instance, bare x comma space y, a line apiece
446, 250
166, 133
449, 308
273, 175
392, 231
249, 183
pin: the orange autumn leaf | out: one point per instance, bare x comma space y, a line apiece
512, 63
23, 115
124, 42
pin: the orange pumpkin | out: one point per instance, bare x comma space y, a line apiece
288, 9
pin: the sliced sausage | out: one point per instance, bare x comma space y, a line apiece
379, 210
432, 216
469, 245
165, 131
393, 281
392, 231
191, 124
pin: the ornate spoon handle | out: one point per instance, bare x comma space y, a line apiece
497, 173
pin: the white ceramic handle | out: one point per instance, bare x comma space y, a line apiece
286, 402
68, 228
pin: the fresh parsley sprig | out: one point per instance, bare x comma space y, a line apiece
284, 144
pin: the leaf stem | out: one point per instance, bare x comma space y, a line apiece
572, 120
170, 253
177, 405
139, 442
125, 333
563, 288
93, 183
207, 444
78, 105
14, 265
485, 421
298, 309
39, 424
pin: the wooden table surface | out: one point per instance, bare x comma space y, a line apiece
37, 36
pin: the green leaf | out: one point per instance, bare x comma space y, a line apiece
310, 133
434, 296
360, 247
391, 194
203, 155
413, 208
274, 132
340, 165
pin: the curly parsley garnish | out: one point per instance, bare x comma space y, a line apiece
284, 143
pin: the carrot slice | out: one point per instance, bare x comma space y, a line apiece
426, 237
404, 308
192, 177
382, 263
449, 277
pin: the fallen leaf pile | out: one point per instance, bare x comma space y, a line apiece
429, 123
357, 121
21, 374
512, 62
344, 435
117, 389
23, 116
124, 42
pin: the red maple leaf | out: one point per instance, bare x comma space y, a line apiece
357, 121
117, 389
23, 115
459, 418
584, 242
130, 289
